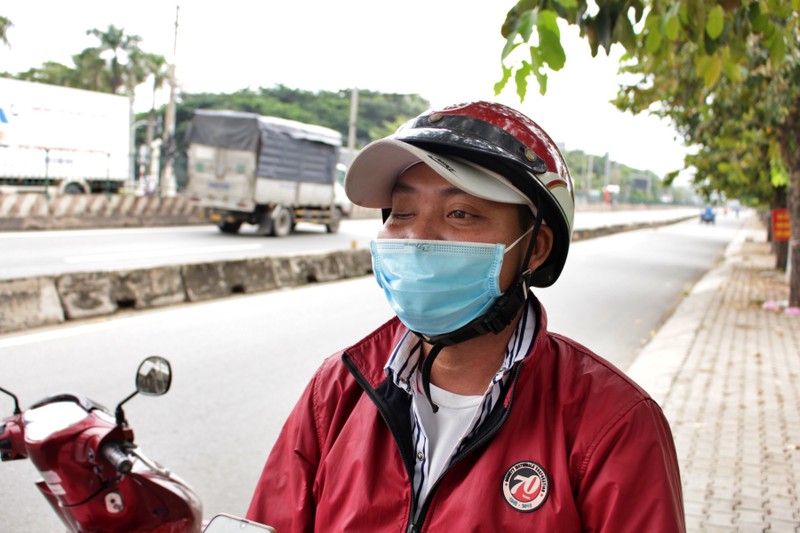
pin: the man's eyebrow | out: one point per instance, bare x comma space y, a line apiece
400, 187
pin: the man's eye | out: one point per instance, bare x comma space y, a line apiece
459, 214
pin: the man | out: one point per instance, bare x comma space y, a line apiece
464, 413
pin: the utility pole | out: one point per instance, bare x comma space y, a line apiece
589, 173
351, 134
168, 187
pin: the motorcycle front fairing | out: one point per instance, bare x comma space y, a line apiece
62, 438
142, 500
93, 474
86, 490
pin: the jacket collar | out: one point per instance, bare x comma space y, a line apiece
370, 354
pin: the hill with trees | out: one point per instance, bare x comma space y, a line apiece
118, 64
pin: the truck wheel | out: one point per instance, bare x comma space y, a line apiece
282, 222
230, 227
333, 224
73, 188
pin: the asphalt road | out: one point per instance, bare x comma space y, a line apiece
48, 253
240, 363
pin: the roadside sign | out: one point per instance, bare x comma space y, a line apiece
781, 230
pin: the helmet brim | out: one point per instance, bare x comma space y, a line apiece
371, 176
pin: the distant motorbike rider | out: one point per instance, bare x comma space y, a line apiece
464, 413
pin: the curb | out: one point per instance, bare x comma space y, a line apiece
45, 301
659, 362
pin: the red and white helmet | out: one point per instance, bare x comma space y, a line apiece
490, 135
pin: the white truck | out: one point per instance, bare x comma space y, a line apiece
267, 171
62, 140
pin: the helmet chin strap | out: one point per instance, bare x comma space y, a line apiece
495, 320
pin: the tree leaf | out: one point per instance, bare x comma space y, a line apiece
672, 25
701, 65
548, 20
777, 51
715, 22
525, 26
625, 34
695, 16
500, 85
713, 72
521, 80
730, 67
760, 22
569, 4
509, 47
550, 49
653, 41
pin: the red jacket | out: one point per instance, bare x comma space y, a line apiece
574, 446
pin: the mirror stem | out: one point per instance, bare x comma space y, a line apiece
119, 413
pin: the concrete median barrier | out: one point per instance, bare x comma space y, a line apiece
29, 303
86, 295
35, 302
35, 211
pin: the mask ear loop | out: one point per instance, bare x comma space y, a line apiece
506, 307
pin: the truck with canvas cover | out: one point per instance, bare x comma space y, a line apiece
62, 140
265, 171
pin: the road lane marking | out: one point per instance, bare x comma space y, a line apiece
48, 234
167, 252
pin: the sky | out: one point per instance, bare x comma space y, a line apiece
447, 51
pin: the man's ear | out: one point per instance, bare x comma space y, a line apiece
544, 244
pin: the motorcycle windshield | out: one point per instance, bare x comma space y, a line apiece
43, 421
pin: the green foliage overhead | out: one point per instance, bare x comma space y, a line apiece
725, 72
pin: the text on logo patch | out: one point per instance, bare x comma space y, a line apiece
526, 486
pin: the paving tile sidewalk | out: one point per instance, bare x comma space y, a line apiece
726, 370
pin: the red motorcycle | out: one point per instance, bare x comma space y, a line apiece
93, 474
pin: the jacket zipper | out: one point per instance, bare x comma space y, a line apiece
480, 439
408, 461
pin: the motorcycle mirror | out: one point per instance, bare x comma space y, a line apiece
154, 376
14, 397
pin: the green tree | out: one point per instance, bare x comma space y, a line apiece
90, 71
726, 72
5, 25
117, 65
53, 73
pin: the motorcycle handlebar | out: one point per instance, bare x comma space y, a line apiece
117, 457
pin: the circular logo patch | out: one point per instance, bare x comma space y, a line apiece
526, 486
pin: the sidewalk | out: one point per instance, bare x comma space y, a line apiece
726, 370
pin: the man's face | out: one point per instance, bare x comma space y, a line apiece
426, 206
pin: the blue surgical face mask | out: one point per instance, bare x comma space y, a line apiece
436, 287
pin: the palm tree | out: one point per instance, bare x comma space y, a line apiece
124, 66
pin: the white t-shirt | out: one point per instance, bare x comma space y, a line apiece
445, 429
403, 369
